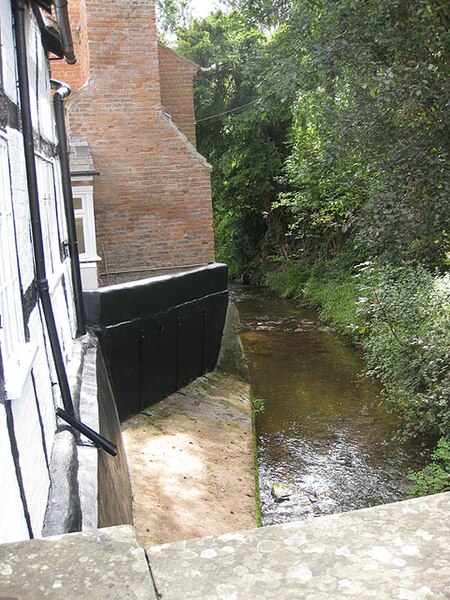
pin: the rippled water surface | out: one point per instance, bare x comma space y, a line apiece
324, 431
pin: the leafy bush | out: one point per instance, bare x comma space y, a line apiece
435, 477
406, 313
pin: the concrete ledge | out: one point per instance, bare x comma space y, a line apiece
395, 551
105, 564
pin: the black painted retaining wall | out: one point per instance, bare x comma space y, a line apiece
114, 488
159, 334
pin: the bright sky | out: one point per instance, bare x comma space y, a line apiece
202, 8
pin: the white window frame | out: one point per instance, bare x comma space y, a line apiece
49, 220
17, 355
86, 214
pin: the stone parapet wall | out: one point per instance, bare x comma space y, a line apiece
105, 563
399, 550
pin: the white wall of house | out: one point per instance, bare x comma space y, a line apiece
28, 393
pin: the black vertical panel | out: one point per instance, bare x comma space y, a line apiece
158, 376
215, 310
190, 339
121, 347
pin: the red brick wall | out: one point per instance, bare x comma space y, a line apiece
153, 197
176, 78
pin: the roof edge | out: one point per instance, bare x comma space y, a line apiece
186, 60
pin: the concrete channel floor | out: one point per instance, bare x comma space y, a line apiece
395, 551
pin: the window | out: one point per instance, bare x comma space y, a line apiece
49, 220
80, 223
11, 332
84, 223
17, 355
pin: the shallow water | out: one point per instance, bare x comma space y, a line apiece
324, 431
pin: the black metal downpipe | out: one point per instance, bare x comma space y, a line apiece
62, 18
95, 437
62, 90
27, 130
39, 257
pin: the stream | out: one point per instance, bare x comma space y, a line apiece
324, 431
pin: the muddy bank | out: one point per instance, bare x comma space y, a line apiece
191, 462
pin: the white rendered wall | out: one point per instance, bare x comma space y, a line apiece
34, 470
21, 208
33, 410
9, 65
13, 526
42, 379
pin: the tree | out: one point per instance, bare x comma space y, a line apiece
371, 132
327, 126
241, 130
172, 14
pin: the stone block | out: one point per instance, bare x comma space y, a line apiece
399, 550
103, 563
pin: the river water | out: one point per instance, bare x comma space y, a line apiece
324, 431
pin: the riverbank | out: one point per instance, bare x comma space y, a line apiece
191, 462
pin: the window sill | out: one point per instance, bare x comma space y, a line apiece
17, 368
89, 259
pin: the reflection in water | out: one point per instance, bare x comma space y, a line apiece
324, 431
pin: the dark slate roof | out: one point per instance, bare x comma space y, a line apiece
81, 161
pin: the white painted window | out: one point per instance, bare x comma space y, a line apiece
83, 205
12, 329
56, 265
49, 220
17, 355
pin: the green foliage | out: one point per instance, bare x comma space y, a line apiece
263, 13
435, 477
335, 300
288, 278
327, 179
327, 126
241, 130
327, 286
406, 312
258, 404
172, 14
365, 89
371, 128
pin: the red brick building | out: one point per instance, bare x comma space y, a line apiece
132, 101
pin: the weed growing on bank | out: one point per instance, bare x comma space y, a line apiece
435, 477
406, 314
